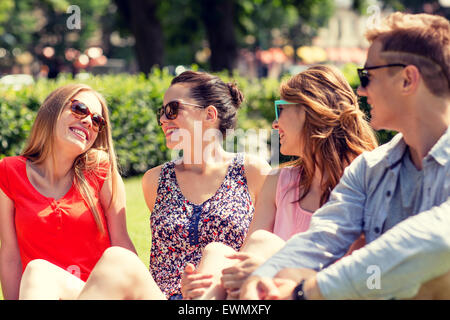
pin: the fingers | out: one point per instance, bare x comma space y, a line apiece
253, 290
245, 267
232, 284
233, 294
190, 268
194, 284
238, 255
198, 277
194, 294
200, 284
233, 277
267, 289
285, 288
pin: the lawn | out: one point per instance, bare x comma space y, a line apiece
137, 219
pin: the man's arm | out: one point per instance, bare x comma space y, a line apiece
334, 227
397, 263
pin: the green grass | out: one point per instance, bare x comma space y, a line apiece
138, 218
138, 222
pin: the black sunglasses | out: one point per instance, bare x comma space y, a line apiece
170, 110
81, 111
363, 73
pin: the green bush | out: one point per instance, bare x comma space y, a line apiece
133, 101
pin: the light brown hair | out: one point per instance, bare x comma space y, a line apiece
335, 130
40, 144
422, 40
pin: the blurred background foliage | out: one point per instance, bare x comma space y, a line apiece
133, 101
141, 44
152, 32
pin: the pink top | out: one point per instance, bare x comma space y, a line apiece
290, 217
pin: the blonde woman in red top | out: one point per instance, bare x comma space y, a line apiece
62, 201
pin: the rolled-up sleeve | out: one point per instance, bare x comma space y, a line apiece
334, 227
397, 263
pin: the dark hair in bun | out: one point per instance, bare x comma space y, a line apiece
209, 90
236, 94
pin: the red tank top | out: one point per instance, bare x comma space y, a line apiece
61, 231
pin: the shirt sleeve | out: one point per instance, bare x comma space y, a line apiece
98, 174
396, 264
103, 172
4, 181
334, 227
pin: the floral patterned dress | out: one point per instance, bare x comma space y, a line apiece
181, 229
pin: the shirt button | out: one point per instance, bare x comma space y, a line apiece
388, 193
377, 230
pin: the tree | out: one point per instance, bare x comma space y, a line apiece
219, 19
31, 25
267, 23
141, 16
182, 26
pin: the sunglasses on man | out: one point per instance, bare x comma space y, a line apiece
81, 111
170, 110
364, 77
278, 109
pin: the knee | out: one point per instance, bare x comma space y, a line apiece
36, 267
264, 243
215, 248
119, 266
117, 261
261, 236
118, 256
37, 275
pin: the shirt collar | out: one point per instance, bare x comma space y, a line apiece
441, 149
396, 150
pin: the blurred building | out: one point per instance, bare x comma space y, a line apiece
343, 38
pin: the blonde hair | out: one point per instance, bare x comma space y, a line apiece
40, 144
335, 130
422, 40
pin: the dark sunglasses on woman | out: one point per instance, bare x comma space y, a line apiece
364, 77
81, 111
170, 110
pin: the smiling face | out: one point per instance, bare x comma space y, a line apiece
74, 135
290, 127
382, 92
189, 118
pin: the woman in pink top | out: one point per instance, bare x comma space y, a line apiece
319, 121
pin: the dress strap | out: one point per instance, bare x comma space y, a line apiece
167, 178
236, 170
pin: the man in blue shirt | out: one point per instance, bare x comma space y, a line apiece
397, 194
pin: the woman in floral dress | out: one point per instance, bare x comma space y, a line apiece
207, 195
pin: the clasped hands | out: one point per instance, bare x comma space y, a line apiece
195, 284
238, 283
